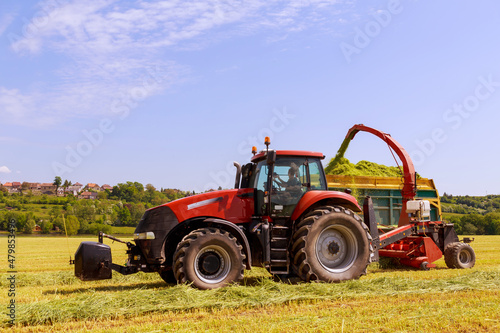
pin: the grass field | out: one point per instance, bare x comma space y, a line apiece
49, 298
446, 216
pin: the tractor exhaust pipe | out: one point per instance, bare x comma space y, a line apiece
238, 175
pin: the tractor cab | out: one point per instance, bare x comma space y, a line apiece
280, 179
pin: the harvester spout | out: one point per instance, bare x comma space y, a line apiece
409, 189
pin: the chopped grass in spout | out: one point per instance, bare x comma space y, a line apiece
363, 168
339, 165
339, 157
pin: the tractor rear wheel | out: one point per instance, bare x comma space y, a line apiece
459, 255
331, 244
209, 258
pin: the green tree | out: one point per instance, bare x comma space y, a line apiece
150, 194
72, 225
469, 229
58, 222
46, 226
136, 212
6, 217
66, 184
492, 223
21, 221
124, 216
55, 211
29, 225
57, 182
129, 191
85, 210
25, 186
94, 228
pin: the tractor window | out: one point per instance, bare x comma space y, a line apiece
260, 185
289, 184
291, 178
247, 175
261, 176
316, 174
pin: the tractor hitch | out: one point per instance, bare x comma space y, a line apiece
467, 240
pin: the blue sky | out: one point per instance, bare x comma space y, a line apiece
171, 92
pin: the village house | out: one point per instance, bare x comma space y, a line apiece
74, 189
48, 188
88, 195
34, 186
90, 190
14, 187
60, 191
93, 187
107, 187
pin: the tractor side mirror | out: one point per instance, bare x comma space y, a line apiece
271, 157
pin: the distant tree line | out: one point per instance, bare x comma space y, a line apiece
122, 206
470, 204
480, 214
476, 224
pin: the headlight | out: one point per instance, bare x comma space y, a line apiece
145, 235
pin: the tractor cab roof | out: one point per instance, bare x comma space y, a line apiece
288, 153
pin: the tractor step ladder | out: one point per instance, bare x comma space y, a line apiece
280, 261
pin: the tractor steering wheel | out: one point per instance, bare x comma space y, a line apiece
275, 181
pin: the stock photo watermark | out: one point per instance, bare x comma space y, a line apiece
120, 107
38, 21
11, 272
454, 118
365, 35
277, 124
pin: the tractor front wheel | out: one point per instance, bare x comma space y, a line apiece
168, 276
331, 244
209, 258
459, 255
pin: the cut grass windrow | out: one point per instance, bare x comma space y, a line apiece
98, 305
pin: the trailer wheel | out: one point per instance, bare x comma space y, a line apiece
459, 255
424, 266
209, 258
331, 244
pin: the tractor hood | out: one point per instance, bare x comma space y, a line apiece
235, 205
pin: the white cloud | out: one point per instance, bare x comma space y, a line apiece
111, 45
5, 21
15, 105
4, 169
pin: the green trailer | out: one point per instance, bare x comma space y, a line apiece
386, 194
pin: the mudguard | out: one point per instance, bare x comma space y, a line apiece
328, 197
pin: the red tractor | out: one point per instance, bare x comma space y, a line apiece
280, 216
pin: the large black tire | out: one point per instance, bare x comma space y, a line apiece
168, 276
459, 255
209, 258
331, 244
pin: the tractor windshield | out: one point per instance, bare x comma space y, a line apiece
291, 178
